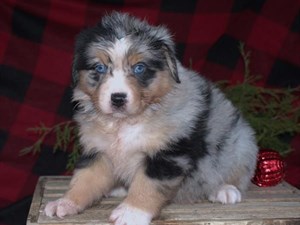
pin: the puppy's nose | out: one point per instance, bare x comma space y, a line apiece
118, 99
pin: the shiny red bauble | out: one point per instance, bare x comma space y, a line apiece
270, 168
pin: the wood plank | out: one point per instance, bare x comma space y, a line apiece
262, 206
35, 207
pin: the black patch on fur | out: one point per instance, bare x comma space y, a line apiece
152, 67
86, 160
171, 62
237, 116
165, 56
223, 139
163, 165
80, 61
83, 41
161, 168
156, 64
146, 78
156, 45
95, 77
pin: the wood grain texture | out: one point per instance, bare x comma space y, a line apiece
278, 205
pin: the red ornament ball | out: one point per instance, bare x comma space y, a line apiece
270, 168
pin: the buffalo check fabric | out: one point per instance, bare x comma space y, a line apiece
36, 47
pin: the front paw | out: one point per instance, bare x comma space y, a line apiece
227, 194
125, 214
61, 207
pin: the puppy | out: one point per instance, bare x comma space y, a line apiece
148, 124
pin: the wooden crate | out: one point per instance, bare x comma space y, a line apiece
272, 205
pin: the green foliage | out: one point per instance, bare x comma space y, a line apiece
66, 138
74, 155
272, 113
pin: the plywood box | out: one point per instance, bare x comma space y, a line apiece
272, 205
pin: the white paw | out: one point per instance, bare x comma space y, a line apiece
125, 214
61, 207
228, 194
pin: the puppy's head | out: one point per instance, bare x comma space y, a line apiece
123, 65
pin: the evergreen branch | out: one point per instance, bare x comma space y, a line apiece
63, 139
73, 156
271, 112
246, 59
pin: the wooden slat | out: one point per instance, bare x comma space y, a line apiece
262, 206
35, 207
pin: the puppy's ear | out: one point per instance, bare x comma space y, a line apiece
78, 58
171, 62
82, 41
75, 75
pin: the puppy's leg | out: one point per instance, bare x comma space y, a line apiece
87, 185
146, 197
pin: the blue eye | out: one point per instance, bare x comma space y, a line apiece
139, 68
101, 68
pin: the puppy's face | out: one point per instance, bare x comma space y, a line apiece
123, 65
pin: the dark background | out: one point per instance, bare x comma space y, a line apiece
36, 46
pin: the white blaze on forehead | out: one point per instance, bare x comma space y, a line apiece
117, 82
118, 51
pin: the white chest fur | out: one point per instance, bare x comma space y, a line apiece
125, 151
124, 144
130, 138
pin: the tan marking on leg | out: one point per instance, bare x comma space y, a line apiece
91, 183
147, 195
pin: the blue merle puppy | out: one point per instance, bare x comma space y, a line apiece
148, 124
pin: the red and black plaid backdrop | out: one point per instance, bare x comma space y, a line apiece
36, 45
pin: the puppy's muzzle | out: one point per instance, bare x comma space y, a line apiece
118, 99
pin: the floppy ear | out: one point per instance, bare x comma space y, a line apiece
171, 62
75, 75
82, 41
